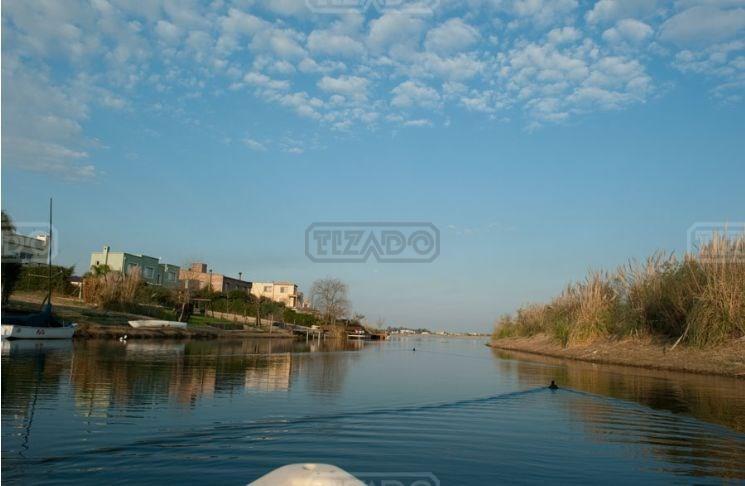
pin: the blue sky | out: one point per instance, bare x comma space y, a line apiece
543, 138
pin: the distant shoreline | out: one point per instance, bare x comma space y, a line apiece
724, 360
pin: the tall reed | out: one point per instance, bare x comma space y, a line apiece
112, 288
699, 300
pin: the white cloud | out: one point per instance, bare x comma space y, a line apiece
612, 10
349, 86
703, 25
167, 32
46, 133
68, 60
544, 12
324, 42
254, 144
563, 35
394, 29
311, 66
419, 122
629, 31
724, 62
284, 43
452, 36
411, 94
264, 81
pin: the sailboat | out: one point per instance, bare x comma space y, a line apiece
38, 325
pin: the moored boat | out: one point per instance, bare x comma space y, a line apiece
21, 324
35, 325
157, 324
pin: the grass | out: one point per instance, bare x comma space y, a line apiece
698, 300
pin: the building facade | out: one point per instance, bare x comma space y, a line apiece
151, 270
25, 249
199, 277
284, 292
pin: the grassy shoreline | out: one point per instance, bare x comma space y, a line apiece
724, 360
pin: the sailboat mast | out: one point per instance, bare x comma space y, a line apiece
49, 248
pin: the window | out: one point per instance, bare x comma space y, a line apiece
171, 276
131, 267
267, 288
282, 290
149, 272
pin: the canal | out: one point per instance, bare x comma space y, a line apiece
452, 411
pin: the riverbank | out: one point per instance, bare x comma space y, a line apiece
103, 324
725, 359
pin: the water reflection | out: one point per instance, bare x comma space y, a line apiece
710, 398
715, 399
137, 374
227, 411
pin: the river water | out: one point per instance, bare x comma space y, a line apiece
450, 412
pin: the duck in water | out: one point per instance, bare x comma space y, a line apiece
553, 386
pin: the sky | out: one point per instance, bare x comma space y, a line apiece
543, 138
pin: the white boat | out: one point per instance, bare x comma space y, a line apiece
312, 474
22, 324
156, 324
17, 331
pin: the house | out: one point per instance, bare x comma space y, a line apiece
25, 249
198, 277
284, 292
151, 270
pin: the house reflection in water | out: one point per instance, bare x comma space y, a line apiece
273, 376
103, 376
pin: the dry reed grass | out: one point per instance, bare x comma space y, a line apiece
699, 300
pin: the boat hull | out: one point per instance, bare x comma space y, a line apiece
15, 331
156, 324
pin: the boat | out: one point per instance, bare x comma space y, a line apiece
38, 325
157, 324
357, 334
315, 474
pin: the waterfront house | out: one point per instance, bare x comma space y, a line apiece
151, 270
282, 291
198, 277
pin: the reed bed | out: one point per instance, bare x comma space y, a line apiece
111, 288
698, 300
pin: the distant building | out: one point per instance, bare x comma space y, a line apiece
151, 270
284, 292
25, 249
198, 277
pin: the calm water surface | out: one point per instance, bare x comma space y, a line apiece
226, 412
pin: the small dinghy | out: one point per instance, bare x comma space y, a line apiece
156, 324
